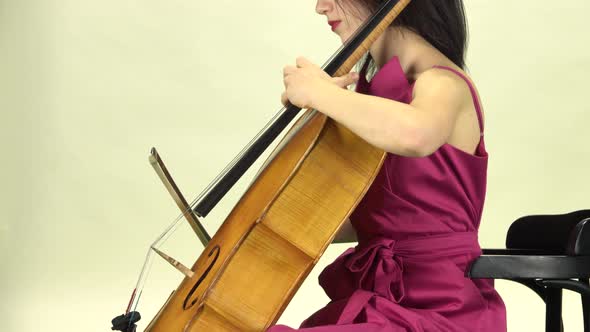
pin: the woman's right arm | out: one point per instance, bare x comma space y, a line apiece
346, 233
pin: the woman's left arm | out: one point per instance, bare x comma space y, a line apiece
414, 130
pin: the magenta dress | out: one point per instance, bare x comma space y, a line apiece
417, 229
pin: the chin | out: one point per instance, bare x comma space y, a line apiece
344, 37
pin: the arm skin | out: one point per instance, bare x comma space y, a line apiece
412, 130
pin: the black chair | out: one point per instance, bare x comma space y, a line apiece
546, 253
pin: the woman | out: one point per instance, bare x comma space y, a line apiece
417, 225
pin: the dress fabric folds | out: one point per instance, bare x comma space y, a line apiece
417, 228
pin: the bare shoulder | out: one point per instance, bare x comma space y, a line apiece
447, 96
442, 83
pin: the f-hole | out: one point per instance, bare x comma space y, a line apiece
186, 305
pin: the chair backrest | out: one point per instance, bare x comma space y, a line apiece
563, 233
579, 243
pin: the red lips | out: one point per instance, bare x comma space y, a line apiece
334, 24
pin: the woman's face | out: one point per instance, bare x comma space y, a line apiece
344, 19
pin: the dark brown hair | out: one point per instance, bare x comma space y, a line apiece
440, 22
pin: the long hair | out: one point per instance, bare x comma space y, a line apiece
440, 22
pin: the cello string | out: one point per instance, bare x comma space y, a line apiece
145, 270
168, 232
160, 240
148, 262
215, 181
232, 163
165, 235
133, 312
282, 144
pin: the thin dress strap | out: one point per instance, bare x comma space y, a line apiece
473, 95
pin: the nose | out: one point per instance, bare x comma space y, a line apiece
323, 6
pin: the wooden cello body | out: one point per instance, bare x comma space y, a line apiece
273, 237
275, 234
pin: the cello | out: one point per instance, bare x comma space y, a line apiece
280, 227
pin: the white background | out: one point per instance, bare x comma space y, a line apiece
88, 87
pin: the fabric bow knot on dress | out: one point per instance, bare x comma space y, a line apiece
417, 228
375, 268
379, 259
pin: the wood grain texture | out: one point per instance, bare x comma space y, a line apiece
280, 227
